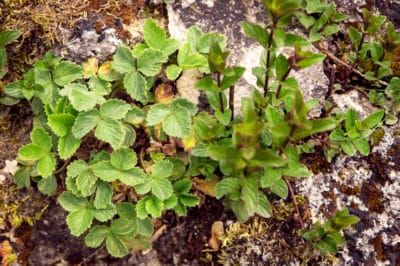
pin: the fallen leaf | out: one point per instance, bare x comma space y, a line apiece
164, 93
206, 186
217, 230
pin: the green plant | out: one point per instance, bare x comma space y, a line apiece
353, 137
326, 238
6, 37
87, 118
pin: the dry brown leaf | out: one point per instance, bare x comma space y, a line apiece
217, 230
164, 93
206, 186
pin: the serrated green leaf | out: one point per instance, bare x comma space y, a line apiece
373, 119
154, 206
153, 34
136, 86
85, 122
123, 159
76, 167
267, 158
96, 236
78, 222
182, 186
280, 188
170, 46
355, 37
60, 123
348, 147
173, 72
103, 196
46, 165
47, 185
115, 246
67, 145
99, 86
178, 123
362, 146
123, 60
66, 72
157, 113
22, 177
310, 59
110, 131
189, 200
264, 208
231, 76
141, 208
114, 109
162, 169
227, 186
30, 152
135, 116
350, 121
126, 210
86, 181
80, 98
149, 62
207, 84
317, 126
271, 175
170, 202
161, 188
105, 214
227, 154
281, 66
40, 137
132, 177
105, 171
7, 37
72, 203
255, 32
249, 194
124, 227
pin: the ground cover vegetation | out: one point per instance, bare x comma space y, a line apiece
146, 144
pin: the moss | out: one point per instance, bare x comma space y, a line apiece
372, 197
377, 136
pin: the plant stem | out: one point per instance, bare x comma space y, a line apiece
221, 102
268, 59
340, 62
232, 100
294, 201
278, 91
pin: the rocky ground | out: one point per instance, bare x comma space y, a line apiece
368, 186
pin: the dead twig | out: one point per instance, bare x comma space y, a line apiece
341, 62
294, 201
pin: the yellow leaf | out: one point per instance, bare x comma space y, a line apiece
207, 186
90, 67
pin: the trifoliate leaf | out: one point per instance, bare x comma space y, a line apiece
123, 60
149, 62
46, 165
114, 109
78, 222
162, 169
85, 122
178, 123
103, 196
96, 236
136, 86
110, 131
123, 159
157, 113
66, 72
105, 171
47, 185
154, 206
